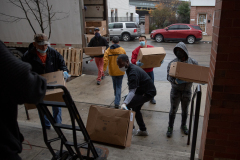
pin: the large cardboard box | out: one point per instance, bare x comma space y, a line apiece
94, 51
89, 37
52, 78
94, 11
151, 57
96, 24
112, 126
189, 72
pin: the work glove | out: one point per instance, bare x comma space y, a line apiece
139, 63
178, 81
162, 61
124, 107
66, 75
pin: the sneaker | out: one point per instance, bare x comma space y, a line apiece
116, 106
48, 127
134, 132
141, 133
103, 77
153, 101
169, 132
98, 82
184, 129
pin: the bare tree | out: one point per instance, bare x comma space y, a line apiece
41, 10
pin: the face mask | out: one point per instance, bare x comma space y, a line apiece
123, 69
142, 43
97, 35
41, 51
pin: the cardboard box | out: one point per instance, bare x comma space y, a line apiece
112, 126
189, 72
95, 11
90, 30
151, 57
96, 24
94, 51
89, 37
53, 94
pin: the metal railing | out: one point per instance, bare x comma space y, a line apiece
197, 94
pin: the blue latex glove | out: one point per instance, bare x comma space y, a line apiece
162, 61
66, 75
139, 63
178, 81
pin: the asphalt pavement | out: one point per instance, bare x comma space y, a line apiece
199, 51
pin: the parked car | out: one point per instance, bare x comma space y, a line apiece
124, 30
178, 32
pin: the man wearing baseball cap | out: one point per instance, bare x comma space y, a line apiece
96, 41
110, 60
45, 59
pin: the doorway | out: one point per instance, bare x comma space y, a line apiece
202, 19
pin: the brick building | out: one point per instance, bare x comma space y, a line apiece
202, 14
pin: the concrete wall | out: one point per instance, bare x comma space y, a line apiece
195, 11
221, 126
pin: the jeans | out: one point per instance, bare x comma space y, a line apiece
176, 97
151, 74
57, 116
136, 105
117, 86
99, 62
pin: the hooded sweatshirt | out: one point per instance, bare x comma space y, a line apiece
185, 86
110, 58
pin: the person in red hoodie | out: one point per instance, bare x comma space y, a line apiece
149, 71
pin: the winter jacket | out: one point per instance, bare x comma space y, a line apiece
110, 58
54, 61
94, 42
185, 86
135, 55
18, 85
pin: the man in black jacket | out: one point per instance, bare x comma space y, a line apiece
45, 59
97, 40
141, 90
18, 86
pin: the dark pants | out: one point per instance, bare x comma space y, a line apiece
176, 97
136, 105
151, 75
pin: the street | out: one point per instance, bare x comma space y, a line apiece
199, 51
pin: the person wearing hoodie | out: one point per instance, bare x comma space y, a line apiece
149, 71
45, 59
110, 60
18, 85
96, 41
181, 90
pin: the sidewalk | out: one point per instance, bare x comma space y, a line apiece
204, 38
85, 93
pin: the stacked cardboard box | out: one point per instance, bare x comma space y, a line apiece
91, 25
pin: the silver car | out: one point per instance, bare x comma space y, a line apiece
124, 30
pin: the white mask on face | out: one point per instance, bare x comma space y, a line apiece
123, 69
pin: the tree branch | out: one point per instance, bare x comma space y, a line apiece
27, 16
49, 19
32, 12
40, 15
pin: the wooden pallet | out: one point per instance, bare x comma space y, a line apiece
73, 60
